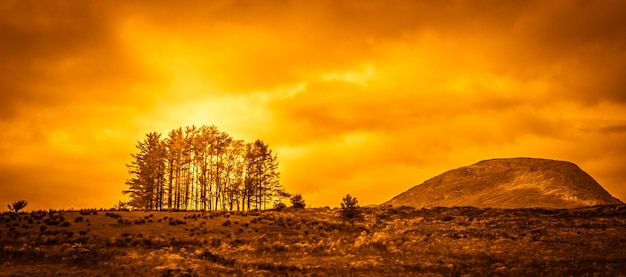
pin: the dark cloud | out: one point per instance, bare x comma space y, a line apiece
614, 129
54, 53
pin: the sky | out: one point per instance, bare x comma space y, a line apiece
362, 97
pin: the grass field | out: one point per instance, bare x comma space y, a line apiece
316, 242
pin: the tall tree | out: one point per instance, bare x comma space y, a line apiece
262, 177
174, 148
233, 170
145, 187
203, 161
219, 150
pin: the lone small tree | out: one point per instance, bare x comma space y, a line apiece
121, 205
17, 206
297, 201
350, 209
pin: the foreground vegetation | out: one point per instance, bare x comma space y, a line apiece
317, 242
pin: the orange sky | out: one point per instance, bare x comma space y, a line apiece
360, 97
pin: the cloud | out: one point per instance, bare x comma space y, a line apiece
56, 53
354, 96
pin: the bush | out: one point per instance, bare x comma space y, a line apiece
51, 221
84, 212
297, 201
216, 258
350, 209
17, 206
113, 215
280, 206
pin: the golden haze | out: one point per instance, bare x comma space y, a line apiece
361, 97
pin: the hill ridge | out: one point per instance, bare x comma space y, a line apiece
509, 183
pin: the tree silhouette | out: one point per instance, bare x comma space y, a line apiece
17, 206
121, 205
350, 209
262, 176
297, 201
146, 186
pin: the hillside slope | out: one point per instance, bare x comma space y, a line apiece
509, 183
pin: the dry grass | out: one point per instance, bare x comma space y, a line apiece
398, 241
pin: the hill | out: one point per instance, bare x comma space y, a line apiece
509, 183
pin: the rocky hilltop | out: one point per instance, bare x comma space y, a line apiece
509, 183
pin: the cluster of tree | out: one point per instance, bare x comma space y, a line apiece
202, 169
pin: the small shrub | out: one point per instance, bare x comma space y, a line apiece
448, 218
216, 258
37, 215
82, 239
17, 206
50, 221
297, 201
280, 206
350, 209
84, 212
65, 224
113, 215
